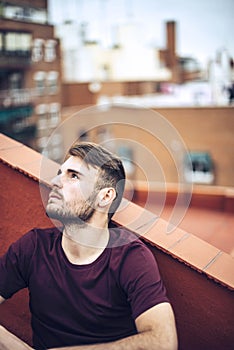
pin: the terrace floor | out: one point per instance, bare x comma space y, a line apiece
213, 226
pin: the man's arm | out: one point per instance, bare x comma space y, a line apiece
156, 330
9, 341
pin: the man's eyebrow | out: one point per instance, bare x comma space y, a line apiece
75, 172
71, 171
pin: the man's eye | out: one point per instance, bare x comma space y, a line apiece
74, 176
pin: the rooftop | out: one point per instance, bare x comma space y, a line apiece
195, 259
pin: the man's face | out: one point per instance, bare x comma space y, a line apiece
73, 195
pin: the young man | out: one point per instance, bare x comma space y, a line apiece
92, 285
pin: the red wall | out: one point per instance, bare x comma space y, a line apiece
21, 210
203, 309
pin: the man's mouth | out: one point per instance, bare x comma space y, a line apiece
54, 195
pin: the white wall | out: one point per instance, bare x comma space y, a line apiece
204, 26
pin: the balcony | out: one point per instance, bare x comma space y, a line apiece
16, 98
24, 12
19, 59
16, 115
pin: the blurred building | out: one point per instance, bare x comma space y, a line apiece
128, 59
30, 74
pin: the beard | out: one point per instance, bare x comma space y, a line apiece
73, 212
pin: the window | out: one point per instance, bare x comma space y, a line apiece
56, 147
39, 16
10, 42
39, 79
199, 168
48, 116
42, 120
11, 11
48, 141
15, 81
17, 43
52, 82
23, 13
24, 43
54, 117
50, 50
37, 50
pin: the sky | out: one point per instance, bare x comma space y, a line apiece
203, 26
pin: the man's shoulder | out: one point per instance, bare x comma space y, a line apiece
132, 257
42, 234
123, 238
35, 240
47, 230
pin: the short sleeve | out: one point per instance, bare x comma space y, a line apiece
141, 280
15, 265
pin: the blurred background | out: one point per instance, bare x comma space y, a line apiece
58, 58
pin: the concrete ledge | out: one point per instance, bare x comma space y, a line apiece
203, 196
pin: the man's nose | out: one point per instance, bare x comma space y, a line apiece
56, 181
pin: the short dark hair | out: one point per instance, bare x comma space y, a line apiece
111, 170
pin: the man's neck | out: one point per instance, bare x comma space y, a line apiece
83, 244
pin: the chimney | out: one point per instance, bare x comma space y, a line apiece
171, 44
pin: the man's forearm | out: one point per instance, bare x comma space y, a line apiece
9, 341
141, 341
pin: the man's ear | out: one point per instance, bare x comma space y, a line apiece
106, 196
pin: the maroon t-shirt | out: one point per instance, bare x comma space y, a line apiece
82, 304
